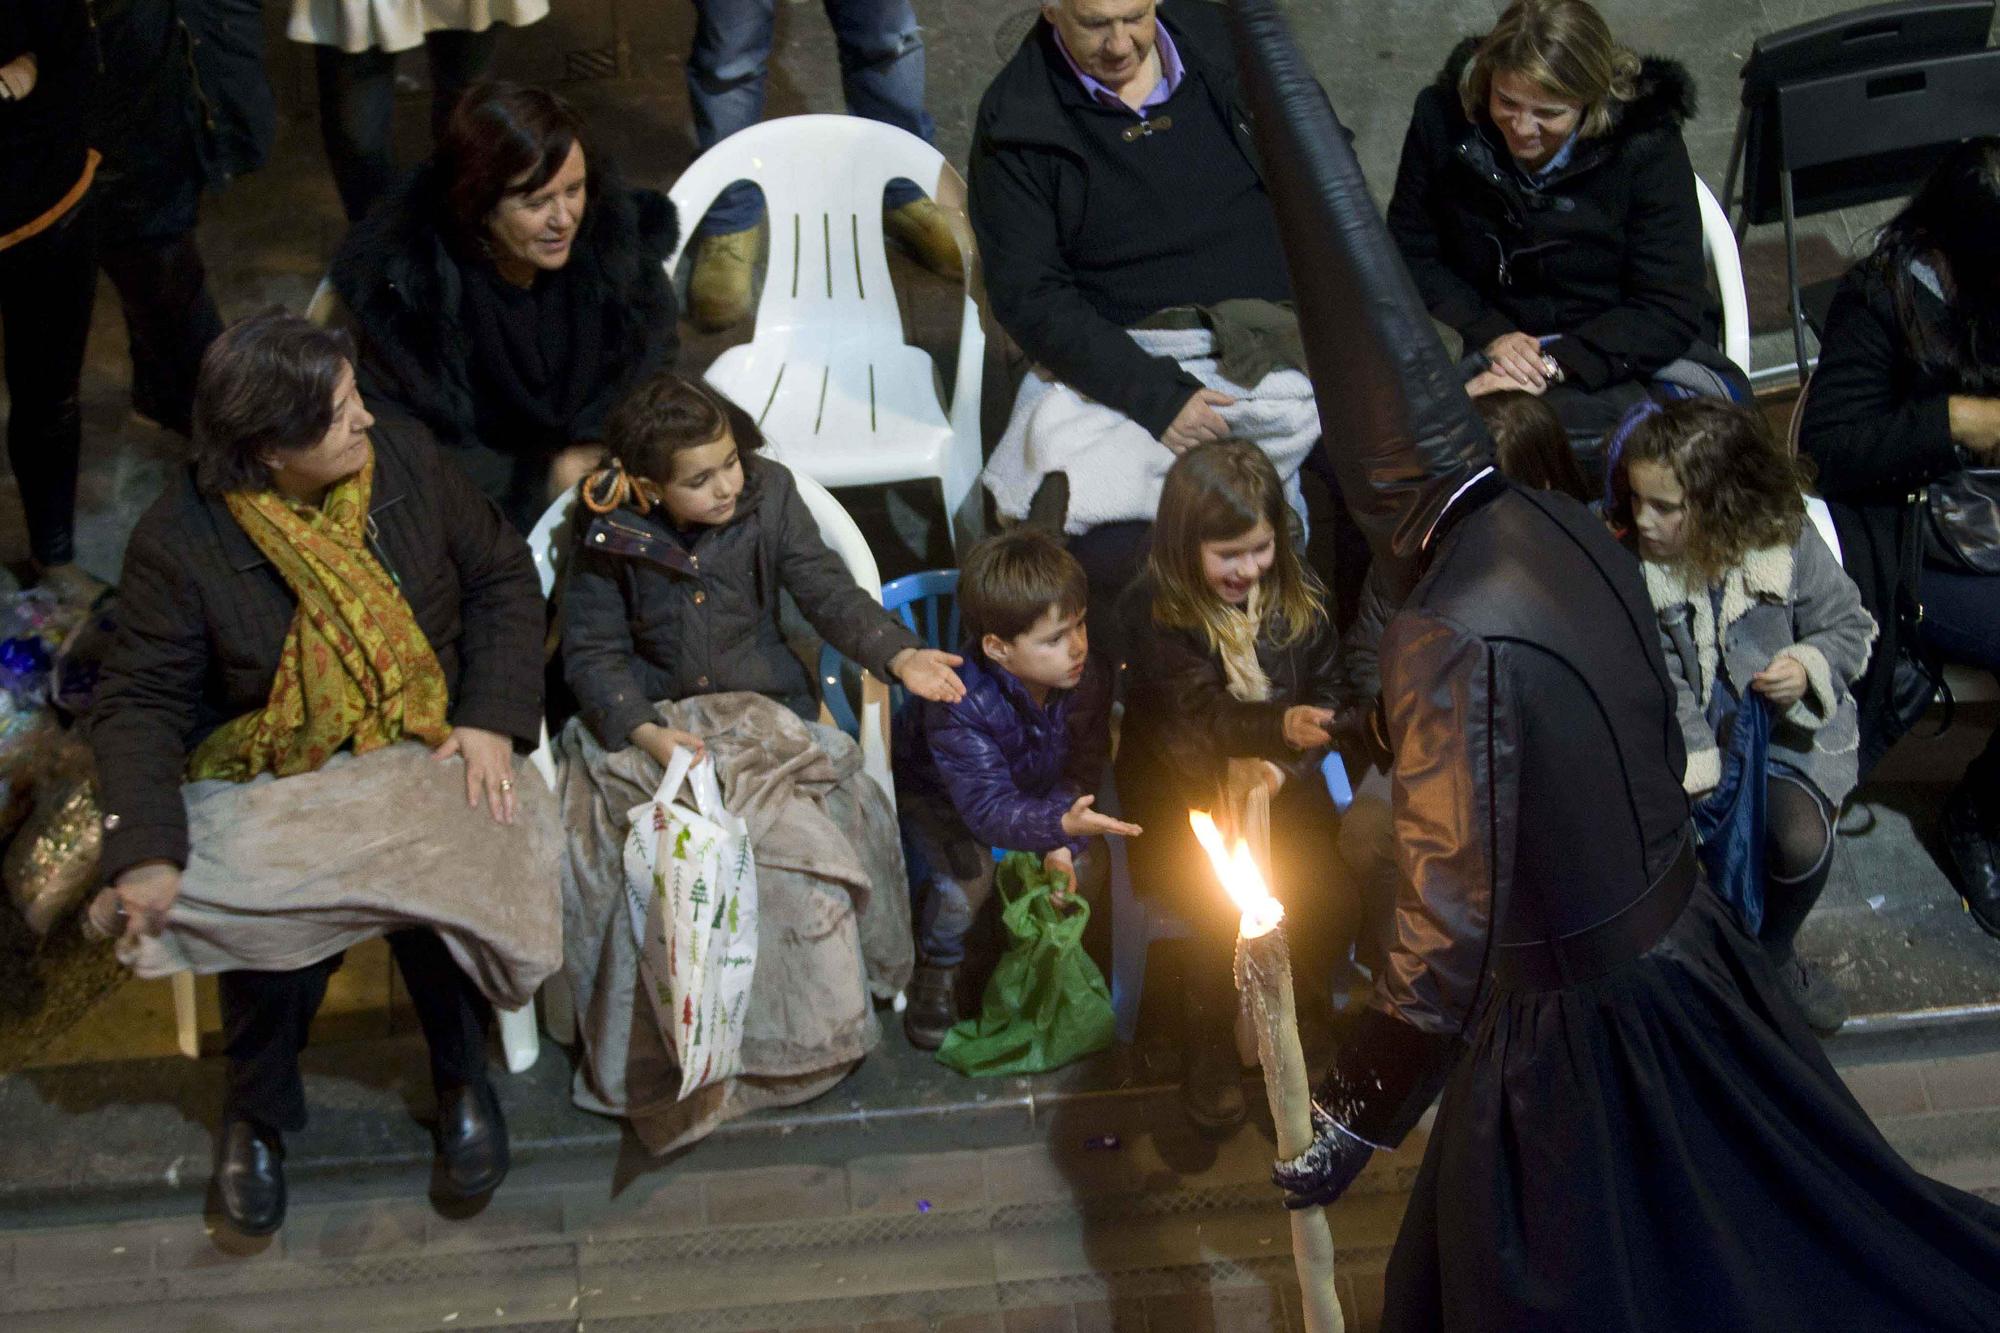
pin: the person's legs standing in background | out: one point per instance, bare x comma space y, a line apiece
48, 284
458, 60
170, 319
1962, 623
357, 107
882, 78
726, 69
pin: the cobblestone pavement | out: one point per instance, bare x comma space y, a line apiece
1057, 1232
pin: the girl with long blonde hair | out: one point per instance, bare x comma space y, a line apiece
1231, 656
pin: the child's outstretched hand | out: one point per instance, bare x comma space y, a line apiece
1306, 726
1080, 821
1783, 682
928, 672
1062, 868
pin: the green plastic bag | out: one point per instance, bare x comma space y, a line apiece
1046, 1003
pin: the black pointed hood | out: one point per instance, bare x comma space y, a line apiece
1397, 424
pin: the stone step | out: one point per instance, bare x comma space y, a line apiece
890, 1239
905, 1230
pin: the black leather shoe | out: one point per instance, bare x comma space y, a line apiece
250, 1178
933, 1006
1974, 865
472, 1140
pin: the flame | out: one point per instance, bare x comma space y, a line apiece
1237, 869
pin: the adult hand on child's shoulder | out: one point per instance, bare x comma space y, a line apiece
1080, 821
928, 673
1198, 422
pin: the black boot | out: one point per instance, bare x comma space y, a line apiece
1969, 839
933, 1006
1212, 1081
471, 1140
250, 1178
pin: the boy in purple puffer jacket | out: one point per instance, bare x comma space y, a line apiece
1011, 764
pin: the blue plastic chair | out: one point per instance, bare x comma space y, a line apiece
927, 602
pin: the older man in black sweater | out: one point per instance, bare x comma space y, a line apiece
1113, 176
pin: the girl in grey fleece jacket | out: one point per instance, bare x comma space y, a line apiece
1750, 599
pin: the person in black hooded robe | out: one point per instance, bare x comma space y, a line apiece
1638, 1130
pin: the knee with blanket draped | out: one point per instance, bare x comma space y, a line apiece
833, 925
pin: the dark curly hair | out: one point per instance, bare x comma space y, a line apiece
1743, 490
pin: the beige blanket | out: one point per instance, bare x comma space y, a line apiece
833, 915
283, 872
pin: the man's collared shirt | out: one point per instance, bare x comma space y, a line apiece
1171, 71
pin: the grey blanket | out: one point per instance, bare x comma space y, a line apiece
833, 925
283, 872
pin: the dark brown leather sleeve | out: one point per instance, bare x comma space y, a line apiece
1455, 740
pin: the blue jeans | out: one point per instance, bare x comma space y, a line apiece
881, 76
951, 873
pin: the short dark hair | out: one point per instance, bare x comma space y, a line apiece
1010, 580
666, 413
267, 383
497, 134
1530, 444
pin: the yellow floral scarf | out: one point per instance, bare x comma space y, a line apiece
356, 666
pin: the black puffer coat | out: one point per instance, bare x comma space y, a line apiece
203, 615
403, 285
1606, 252
1009, 767
649, 615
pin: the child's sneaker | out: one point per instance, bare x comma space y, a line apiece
933, 1006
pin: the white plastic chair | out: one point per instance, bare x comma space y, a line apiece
1718, 248
827, 374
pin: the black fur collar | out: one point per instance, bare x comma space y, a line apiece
402, 283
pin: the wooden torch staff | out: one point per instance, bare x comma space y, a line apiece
1264, 982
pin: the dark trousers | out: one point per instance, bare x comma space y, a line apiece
170, 319
1962, 622
357, 105
47, 285
265, 1017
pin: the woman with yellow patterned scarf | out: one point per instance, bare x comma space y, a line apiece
308, 734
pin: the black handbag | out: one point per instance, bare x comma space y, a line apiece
1918, 678
1962, 521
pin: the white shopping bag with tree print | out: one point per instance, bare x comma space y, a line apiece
691, 887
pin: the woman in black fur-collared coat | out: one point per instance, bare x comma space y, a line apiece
510, 291
1546, 208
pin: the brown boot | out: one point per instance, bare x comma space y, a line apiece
719, 288
920, 227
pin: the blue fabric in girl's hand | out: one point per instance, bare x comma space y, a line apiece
1729, 821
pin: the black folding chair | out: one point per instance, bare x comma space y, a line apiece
1856, 108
